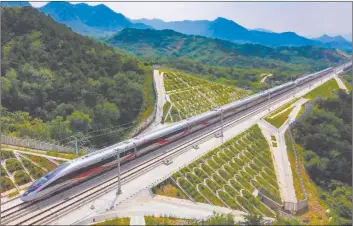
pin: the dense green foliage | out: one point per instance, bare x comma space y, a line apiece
6, 154
56, 83
326, 136
21, 178
238, 62
5, 184
13, 165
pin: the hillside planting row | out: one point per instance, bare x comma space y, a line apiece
228, 175
190, 96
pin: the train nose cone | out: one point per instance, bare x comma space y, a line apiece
27, 197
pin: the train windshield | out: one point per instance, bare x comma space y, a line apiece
46, 177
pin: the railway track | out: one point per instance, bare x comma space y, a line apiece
33, 214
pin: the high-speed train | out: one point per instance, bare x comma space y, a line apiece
85, 167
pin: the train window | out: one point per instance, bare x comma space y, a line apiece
37, 184
55, 171
125, 153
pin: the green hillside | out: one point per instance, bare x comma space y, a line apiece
188, 95
56, 83
217, 59
167, 43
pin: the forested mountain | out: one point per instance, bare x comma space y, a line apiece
167, 43
89, 20
229, 30
56, 82
326, 136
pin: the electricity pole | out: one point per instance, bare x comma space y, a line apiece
118, 192
76, 149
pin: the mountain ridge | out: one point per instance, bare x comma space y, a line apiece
98, 21
229, 30
169, 43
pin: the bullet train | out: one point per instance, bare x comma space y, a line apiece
85, 167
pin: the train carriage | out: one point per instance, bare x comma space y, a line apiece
85, 167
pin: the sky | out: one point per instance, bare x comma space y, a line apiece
310, 19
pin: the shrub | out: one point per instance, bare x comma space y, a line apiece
210, 196
228, 200
6, 154
207, 169
5, 184
21, 178
191, 190
13, 165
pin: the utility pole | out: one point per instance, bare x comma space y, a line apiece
76, 149
118, 192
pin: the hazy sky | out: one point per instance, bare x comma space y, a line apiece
309, 19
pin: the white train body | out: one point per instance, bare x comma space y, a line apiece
100, 161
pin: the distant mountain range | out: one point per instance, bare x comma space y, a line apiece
334, 42
101, 21
96, 21
150, 43
222, 28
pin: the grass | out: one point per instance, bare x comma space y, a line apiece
280, 119
324, 90
59, 161
12, 194
273, 138
316, 213
115, 221
166, 107
221, 172
167, 220
297, 187
5, 184
170, 190
283, 107
274, 144
301, 111
3, 171
41, 161
191, 96
49, 153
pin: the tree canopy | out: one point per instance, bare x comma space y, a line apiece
65, 83
326, 136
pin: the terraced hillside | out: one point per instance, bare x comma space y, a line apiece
19, 170
229, 175
189, 96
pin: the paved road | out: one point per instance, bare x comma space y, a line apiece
341, 85
145, 205
160, 94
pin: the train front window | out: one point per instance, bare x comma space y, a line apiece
37, 184
46, 177
55, 171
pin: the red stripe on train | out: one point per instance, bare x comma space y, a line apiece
129, 157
